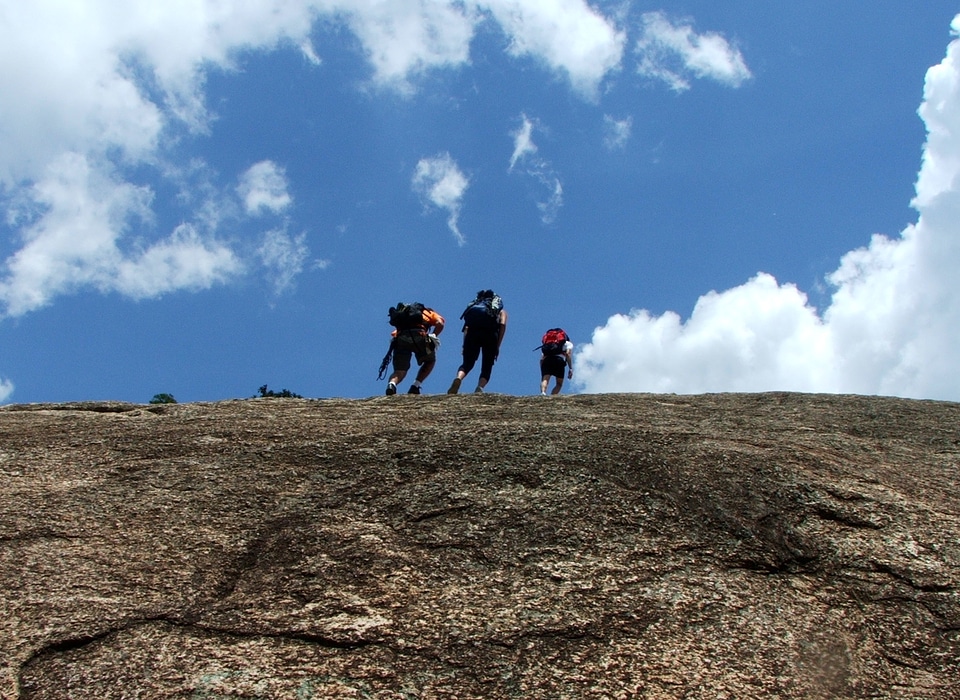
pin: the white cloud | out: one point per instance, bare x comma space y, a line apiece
404, 38
616, 131
306, 48
570, 36
675, 52
284, 256
550, 206
440, 183
264, 186
6, 390
94, 87
110, 83
890, 327
107, 86
74, 243
407, 37
103, 75
757, 336
537, 168
184, 260
523, 144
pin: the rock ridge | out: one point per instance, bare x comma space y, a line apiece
482, 546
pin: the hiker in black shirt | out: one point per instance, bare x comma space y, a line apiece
484, 325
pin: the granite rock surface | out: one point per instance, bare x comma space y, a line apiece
482, 546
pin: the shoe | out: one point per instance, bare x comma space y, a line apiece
478, 390
455, 386
413, 390
391, 389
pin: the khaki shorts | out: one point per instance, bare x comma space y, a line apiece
407, 344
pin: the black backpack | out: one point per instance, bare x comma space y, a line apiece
484, 311
403, 317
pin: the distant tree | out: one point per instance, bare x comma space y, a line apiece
264, 393
163, 398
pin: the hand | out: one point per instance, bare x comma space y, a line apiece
570, 373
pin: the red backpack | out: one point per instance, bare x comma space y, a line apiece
553, 341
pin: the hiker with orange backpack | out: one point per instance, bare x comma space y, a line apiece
556, 355
484, 325
412, 337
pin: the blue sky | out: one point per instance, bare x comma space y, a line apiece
737, 196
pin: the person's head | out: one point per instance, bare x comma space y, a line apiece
485, 294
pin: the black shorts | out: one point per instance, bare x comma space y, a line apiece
407, 344
553, 365
476, 342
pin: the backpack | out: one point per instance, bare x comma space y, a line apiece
484, 311
406, 316
553, 341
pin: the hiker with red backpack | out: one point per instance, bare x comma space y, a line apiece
412, 337
484, 325
556, 355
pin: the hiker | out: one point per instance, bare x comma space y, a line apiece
556, 356
412, 335
484, 325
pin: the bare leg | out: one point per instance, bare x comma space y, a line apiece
425, 369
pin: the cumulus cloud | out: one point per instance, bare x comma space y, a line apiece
91, 89
74, 243
6, 390
537, 168
569, 36
105, 86
440, 183
757, 336
264, 187
675, 53
890, 326
404, 39
103, 76
184, 260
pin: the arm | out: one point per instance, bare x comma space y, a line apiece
432, 318
501, 327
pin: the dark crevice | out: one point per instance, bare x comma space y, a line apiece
41, 535
904, 578
849, 519
71, 644
75, 643
431, 514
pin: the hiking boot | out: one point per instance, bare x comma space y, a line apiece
391, 389
478, 390
413, 390
455, 386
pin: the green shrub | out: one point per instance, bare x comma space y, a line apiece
264, 393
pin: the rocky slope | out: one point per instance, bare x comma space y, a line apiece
718, 546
